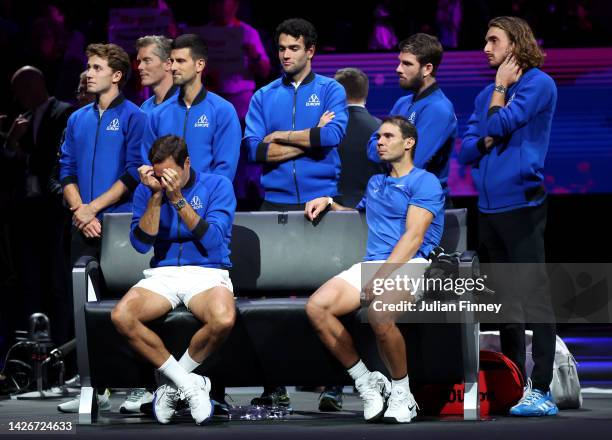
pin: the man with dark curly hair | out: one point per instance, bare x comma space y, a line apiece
506, 143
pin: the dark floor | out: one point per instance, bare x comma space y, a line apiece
594, 420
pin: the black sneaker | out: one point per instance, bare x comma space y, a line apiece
331, 399
276, 396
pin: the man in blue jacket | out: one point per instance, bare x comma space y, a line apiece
506, 142
100, 155
405, 216
425, 106
208, 123
155, 69
301, 160
186, 216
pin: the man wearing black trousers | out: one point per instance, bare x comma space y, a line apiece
506, 143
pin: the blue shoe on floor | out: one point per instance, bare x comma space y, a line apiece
534, 403
331, 399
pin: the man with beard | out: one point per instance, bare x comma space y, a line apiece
208, 123
301, 160
426, 107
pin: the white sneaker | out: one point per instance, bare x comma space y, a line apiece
374, 389
135, 398
198, 399
402, 407
165, 400
72, 406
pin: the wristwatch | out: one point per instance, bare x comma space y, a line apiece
500, 89
180, 204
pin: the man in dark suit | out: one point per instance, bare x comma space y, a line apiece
39, 217
356, 168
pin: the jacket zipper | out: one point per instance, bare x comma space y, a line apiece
295, 181
185, 123
93, 161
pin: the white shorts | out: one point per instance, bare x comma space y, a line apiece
178, 284
352, 275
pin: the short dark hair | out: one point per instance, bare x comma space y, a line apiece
407, 129
169, 146
115, 56
354, 81
426, 48
298, 27
197, 45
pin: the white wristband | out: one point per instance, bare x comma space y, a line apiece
330, 201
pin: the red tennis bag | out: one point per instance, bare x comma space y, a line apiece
500, 385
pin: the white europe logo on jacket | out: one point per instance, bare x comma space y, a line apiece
114, 125
313, 101
201, 122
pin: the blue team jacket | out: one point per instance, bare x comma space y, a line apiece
280, 106
436, 123
207, 245
509, 175
98, 151
210, 128
149, 105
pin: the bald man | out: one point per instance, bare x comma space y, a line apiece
37, 218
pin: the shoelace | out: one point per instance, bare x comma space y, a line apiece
396, 402
191, 394
136, 394
531, 397
170, 396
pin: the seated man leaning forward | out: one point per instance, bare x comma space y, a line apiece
405, 216
187, 217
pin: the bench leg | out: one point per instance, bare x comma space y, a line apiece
471, 347
88, 406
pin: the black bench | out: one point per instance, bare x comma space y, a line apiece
279, 260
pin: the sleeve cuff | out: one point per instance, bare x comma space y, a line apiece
129, 181
261, 154
200, 229
68, 180
493, 110
143, 237
315, 137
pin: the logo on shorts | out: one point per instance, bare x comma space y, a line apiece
196, 203
511, 98
114, 125
313, 101
201, 122
412, 117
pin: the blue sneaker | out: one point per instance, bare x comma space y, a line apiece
331, 399
534, 403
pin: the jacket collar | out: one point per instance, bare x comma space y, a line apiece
309, 78
199, 98
116, 102
428, 91
170, 93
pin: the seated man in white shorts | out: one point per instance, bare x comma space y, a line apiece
405, 216
187, 217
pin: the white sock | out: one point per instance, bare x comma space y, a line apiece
187, 362
358, 370
173, 371
404, 383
